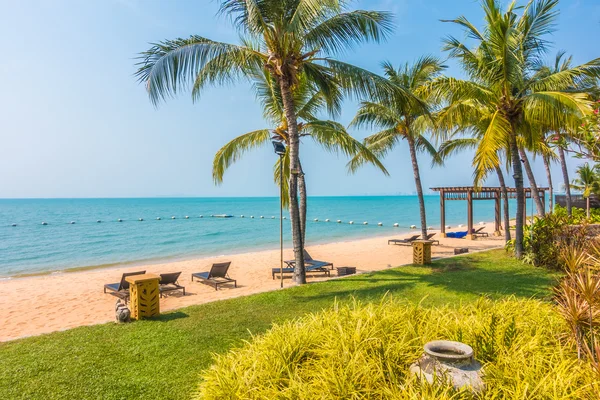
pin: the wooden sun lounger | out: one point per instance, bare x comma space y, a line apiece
216, 276
479, 232
121, 289
429, 237
168, 282
310, 268
404, 241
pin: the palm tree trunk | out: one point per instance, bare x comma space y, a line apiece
549, 178
565, 173
303, 202
587, 207
294, 152
415, 165
518, 176
505, 198
532, 184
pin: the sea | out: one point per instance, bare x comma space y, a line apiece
53, 235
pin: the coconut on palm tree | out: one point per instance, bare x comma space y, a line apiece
308, 101
400, 118
503, 82
290, 38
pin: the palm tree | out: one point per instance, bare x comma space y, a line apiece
503, 84
587, 182
290, 38
401, 118
308, 101
560, 139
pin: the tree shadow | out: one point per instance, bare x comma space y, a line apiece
462, 277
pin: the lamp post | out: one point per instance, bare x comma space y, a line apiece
280, 151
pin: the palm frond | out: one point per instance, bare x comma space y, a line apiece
171, 65
345, 30
493, 140
232, 151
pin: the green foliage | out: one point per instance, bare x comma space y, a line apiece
364, 351
162, 358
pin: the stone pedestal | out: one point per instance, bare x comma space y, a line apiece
144, 295
421, 252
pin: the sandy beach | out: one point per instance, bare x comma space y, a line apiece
42, 304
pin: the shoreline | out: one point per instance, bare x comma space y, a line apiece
175, 259
47, 303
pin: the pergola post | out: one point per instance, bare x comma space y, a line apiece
470, 214
442, 214
497, 214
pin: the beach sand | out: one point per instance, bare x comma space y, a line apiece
46, 303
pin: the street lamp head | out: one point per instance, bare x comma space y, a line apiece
279, 148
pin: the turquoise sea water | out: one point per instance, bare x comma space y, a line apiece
31, 247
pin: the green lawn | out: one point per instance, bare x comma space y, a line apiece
162, 358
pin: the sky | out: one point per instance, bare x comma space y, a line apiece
74, 122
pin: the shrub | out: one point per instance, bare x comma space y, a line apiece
364, 351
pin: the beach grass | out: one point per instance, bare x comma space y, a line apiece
162, 358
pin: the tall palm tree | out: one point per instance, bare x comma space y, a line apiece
309, 101
289, 38
502, 81
560, 138
401, 118
587, 182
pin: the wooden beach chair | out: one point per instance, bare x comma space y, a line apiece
121, 289
429, 237
216, 276
168, 282
404, 241
479, 232
309, 268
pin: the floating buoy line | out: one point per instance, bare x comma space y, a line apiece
242, 216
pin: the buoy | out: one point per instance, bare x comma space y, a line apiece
173, 217
72, 222
284, 217
14, 224
186, 217
272, 217
413, 227
141, 219
98, 221
339, 221
316, 219
380, 223
252, 216
261, 217
241, 216
44, 223
327, 220
158, 218
365, 223
396, 225
202, 216
119, 220
351, 222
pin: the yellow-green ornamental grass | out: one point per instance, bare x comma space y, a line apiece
363, 351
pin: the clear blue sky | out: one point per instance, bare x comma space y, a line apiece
75, 123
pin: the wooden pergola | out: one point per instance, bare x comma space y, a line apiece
470, 193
